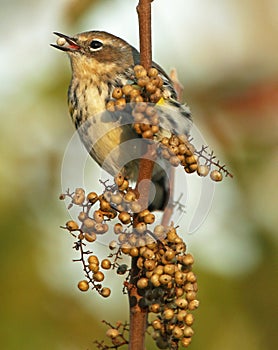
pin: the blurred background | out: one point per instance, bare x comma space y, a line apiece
226, 55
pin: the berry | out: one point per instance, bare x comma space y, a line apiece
83, 286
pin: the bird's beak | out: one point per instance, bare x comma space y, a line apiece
68, 44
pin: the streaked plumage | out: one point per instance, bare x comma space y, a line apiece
100, 62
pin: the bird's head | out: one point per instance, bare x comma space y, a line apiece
96, 52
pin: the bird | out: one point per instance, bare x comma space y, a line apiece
101, 62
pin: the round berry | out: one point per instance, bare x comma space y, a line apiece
112, 333
177, 332
93, 259
142, 283
72, 225
202, 170
168, 314
105, 292
83, 286
90, 237
92, 197
106, 264
124, 217
117, 93
98, 276
216, 176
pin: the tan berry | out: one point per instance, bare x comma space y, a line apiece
169, 255
149, 218
93, 267
141, 227
155, 280
122, 237
202, 170
93, 259
157, 81
83, 286
110, 106
152, 72
130, 196
98, 216
92, 197
72, 225
135, 207
106, 264
191, 277
142, 283
188, 259
112, 333
185, 342
168, 314
82, 216
120, 104
105, 292
149, 264
215, 175
177, 332
125, 248
143, 81
124, 217
126, 89
189, 319
113, 245
90, 237
79, 196
117, 93
181, 315
179, 277
61, 41
118, 228
181, 303
159, 270
156, 324
193, 304
191, 295
179, 292
124, 185
165, 279
98, 276
101, 228
148, 134
89, 223
134, 252
155, 308
188, 332
140, 262
104, 205
169, 269
148, 254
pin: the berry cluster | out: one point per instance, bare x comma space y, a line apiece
180, 151
165, 282
142, 97
168, 287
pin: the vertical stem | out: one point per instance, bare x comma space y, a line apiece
139, 316
145, 32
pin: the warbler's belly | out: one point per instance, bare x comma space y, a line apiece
112, 144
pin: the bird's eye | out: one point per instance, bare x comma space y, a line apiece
96, 45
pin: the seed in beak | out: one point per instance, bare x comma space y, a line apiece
61, 41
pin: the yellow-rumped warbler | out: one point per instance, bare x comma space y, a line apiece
100, 62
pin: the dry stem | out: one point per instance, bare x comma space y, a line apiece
139, 316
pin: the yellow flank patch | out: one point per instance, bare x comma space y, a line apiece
161, 102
